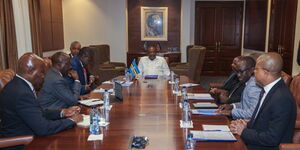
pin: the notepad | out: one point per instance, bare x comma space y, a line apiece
85, 122
205, 112
151, 76
205, 105
212, 136
91, 102
200, 96
223, 128
126, 83
189, 85
93, 137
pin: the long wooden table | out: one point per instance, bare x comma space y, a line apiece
149, 109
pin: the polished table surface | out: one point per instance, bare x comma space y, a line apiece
149, 109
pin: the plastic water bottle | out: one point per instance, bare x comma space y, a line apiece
176, 86
127, 76
94, 121
190, 144
172, 76
184, 93
185, 112
106, 99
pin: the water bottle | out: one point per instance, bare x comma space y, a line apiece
185, 112
184, 93
94, 121
127, 76
172, 76
107, 115
176, 87
106, 99
190, 144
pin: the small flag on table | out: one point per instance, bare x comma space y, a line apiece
133, 69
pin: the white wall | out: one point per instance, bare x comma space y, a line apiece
96, 22
22, 26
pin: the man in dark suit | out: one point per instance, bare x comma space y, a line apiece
74, 49
20, 111
55, 92
80, 64
231, 90
273, 119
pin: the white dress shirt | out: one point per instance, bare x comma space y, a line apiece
267, 89
157, 66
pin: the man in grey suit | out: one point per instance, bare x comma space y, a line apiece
55, 92
250, 95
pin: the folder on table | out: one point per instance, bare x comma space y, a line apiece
205, 105
205, 112
200, 96
151, 76
91, 102
223, 128
212, 136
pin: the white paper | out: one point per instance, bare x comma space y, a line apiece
85, 122
223, 128
213, 136
127, 83
205, 104
171, 82
200, 96
107, 82
91, 102
189, 85
101, 90
94, 137
186, 124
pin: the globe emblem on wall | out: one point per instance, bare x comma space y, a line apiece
154, 25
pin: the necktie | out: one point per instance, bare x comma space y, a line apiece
33, 91
261, 94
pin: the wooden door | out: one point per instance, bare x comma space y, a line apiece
282, 30
218, 28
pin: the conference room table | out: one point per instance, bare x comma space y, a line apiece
150, 109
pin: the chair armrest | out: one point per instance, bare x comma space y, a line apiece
118, 64
106, 66
289, 146
297, 126
14, 141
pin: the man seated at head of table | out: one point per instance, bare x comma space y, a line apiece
80, 64
273, 120
250, 95
20, 110
55, 92
152, 64
231, 90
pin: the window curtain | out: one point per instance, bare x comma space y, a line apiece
35, 26
8, 43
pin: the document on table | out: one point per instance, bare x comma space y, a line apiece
101, 90
223, 128
189, 85
200, 96
205, 105
126, 83
212, 136
85, 122
205, 112
91, 102
94, 137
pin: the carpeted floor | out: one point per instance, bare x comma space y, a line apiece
205, 80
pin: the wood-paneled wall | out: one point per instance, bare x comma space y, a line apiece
134, 23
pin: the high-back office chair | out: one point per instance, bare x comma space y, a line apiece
102, 65
5, 77
193, 68
286, 78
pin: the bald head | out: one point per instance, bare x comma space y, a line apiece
61, 61
271, 62
75, 47
28, 63
32, 68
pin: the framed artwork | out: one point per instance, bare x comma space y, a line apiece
154, 23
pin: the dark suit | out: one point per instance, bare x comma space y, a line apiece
275, 121
56, 93
77, 66
22, 114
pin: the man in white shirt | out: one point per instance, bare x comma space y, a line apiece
153, 65
273, 119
